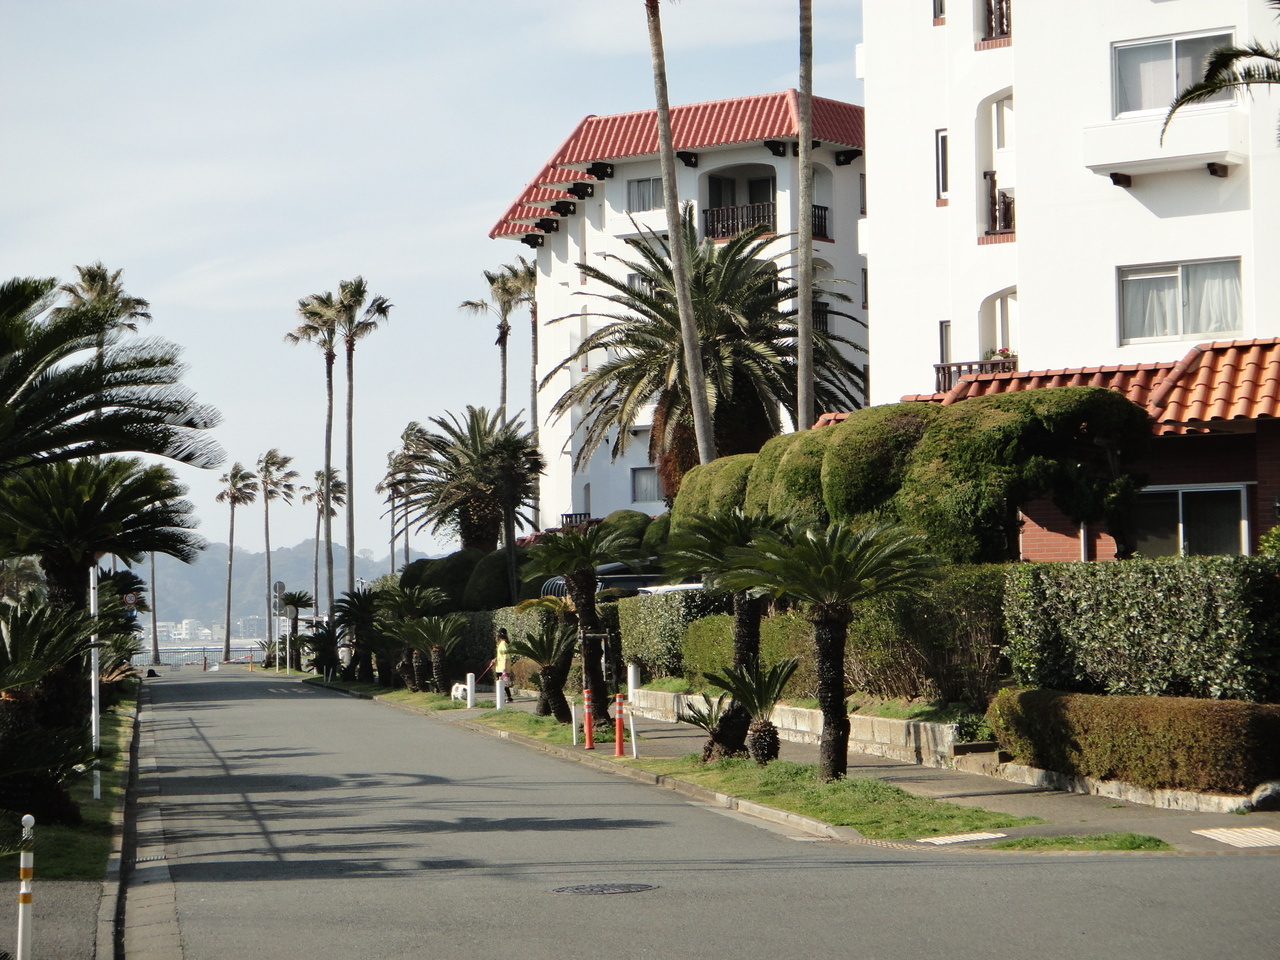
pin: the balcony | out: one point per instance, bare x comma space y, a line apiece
947, 375
721, 222
1000, 220
999, 21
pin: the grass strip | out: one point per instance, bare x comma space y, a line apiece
875, 809
423, 700
1093, 841
544, 728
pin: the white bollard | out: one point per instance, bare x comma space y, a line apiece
633, 680
499, 699
635, 755
573, 721
471, 690
26, 867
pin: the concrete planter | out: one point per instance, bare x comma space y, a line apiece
928, 744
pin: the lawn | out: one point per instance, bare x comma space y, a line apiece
1093, 841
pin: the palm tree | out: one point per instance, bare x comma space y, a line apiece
353, 325
239, 487
1231, 68
757, 691
63, 398
398, 605
336, 496
505, 294
704, 546
552, 644
275, 480
474, 476
297, 601
323, 644
829, 571
805, 413
524, 277
319, 326
356, 615
97, 285
434, 636
695, 381
574, 555
69, 514
748, 341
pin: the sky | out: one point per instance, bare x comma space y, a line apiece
233, 157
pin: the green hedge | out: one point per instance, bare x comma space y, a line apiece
797, 483
487, 587
653, 626
712, 487
449, 573
1197, 627
763, 470
708, 648
632, 523
867, 457
655, 535
1215, 746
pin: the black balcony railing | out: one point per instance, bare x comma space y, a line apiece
999, 207
720, 222
947, 375
821, 316
999, 24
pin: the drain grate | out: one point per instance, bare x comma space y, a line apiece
1243, 836
961, 838
599, 889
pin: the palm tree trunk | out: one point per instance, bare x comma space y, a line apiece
405, 518
805, 413
697, 384
327, 509
266, 536
833, 746
437, 668
351, 467
231, 555
155, 637
509, 534
554, 676
504, 333
315, 565
581, 588
533, 406
393, 533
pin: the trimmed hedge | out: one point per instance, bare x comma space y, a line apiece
797, 483
708, 648
653, 626
655, 535
633, 523
713, 487
487, 586
867, 457
1177, 743
1196, 626
760, 481
449, 573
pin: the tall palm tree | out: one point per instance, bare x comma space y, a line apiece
505, 294
829, 571
805, 413
319, 326
353, 321
748, 340
699, 402
574, 555
1231, 68
63, 398
705, 545
98, 285
524, 276
239, 487
473, 476
275, 481
69, 514
335, 495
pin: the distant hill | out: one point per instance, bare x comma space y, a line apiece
199, 590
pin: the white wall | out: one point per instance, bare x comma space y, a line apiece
1074, 228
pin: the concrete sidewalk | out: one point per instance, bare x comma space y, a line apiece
1064, 813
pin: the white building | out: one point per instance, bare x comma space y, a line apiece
1020, 196
737, 163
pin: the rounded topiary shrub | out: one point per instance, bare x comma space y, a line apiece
797, 483
718, 486
488, 588
763, 470
631, 523
867, 457
655, 535
450, 573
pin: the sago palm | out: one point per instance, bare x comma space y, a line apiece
757, 691
828, 571
435, 636
551, 645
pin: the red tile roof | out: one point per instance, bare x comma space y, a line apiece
1214, 384
693, 127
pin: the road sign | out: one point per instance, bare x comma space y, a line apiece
278, 587
130, 598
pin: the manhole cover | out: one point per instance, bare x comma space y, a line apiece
597, 889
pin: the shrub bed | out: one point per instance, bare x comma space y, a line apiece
1198, 627
653, 626
1178, 743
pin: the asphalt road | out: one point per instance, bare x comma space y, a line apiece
301, 824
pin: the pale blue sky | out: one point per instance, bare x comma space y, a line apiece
236, 155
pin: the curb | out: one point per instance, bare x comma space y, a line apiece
110, 906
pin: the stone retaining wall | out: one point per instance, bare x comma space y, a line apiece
928, 744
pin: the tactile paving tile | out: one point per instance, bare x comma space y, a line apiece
961, 838
1243, 836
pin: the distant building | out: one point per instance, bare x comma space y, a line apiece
737, 161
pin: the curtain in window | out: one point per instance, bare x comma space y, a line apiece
1211, 296
1144, 77
1150, 307
644, 485
1191, 57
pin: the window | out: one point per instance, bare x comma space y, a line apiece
1150, 74
944, 341
1197, 521
1179, 300
644, 194
644, 485
939, 9
940, 164
640, 283
864, 288
762, 190
862, 193
721, 192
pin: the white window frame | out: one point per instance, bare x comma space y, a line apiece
1172, 41
1246, 537
653, 186
1174, 269
653, 472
